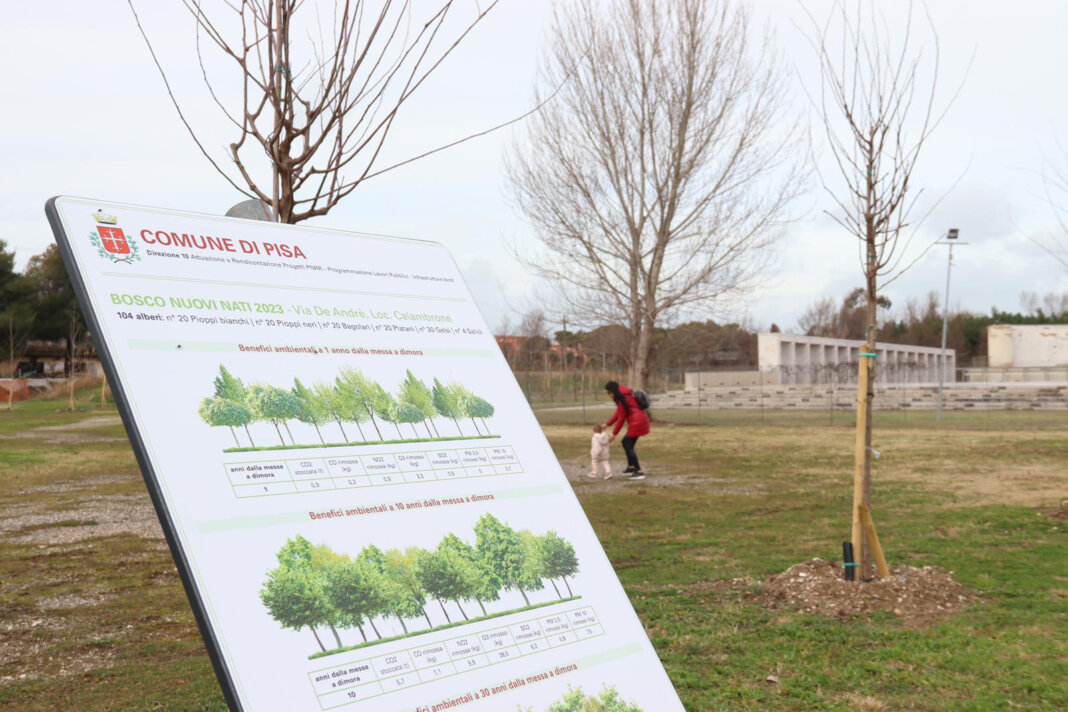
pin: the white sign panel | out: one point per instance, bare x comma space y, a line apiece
363, 508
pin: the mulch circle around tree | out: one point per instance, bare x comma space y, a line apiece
918, 596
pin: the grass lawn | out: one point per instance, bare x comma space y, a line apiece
94, 618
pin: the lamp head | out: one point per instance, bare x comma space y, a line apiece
952, 234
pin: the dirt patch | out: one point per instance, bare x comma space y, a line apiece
1060, 513
69, 434
920, 597
577, 473
87, 518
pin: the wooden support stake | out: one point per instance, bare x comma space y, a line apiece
858, 467
873, 538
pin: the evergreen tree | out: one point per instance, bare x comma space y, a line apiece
229, 387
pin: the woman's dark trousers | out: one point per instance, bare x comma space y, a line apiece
632, 457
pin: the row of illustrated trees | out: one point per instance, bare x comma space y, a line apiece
315, 587
351, 398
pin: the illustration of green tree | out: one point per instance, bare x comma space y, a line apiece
447, 577
533, 565
501, 548
558, 559
218, 412
361, 393
396, 600
331, 404
274, 405
295, 592
447, 404
575, 700
481, 408
309, 408
401, 567
354, 588
229, 387
464, 398
487, 587
414, 392
386, 408
295, 599
408, 413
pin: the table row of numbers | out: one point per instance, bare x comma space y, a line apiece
269, 477
381, 675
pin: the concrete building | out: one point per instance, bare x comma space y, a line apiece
1012, 346
794, 359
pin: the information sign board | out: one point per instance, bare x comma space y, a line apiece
361, 504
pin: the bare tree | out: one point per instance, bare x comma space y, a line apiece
657, 178
1055, 188
877, 103
16, 327
320, 88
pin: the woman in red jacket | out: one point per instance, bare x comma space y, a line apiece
637, 421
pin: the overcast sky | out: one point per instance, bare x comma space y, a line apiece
86, 115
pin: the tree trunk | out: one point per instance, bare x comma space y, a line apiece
362, 633
375, 423
374, 627
316, 634
341, 428
71, 382
234, 433
457, 424
415, 433
480, 605
476, 425
278, 430
336, 636
435, 426
104, 385
319, 433
423, 609
403, 627
569, 593
359, 427
462, 611
527, 600
425, 425
485, 426
444, 611
399, 436
285, 424
556, 588
249, 435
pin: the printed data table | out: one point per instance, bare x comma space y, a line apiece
274, 477
381, 675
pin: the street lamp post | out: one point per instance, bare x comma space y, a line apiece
951, 240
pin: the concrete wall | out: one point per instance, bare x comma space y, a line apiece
1012, 346
958, 396
716, 379
795, 359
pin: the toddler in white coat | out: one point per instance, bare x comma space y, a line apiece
599, 453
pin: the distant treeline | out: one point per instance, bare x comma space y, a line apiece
316, 587
352, 398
